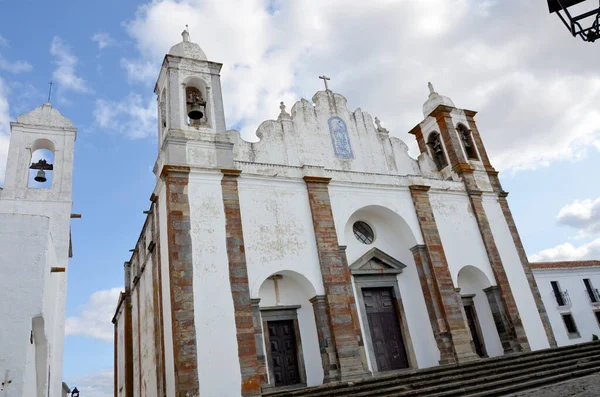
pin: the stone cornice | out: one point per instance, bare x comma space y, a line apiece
422, 188
316, 179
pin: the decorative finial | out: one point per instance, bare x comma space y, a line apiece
379, 127
431, 90
283, 115
186, 34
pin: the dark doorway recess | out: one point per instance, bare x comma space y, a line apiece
384, 325
282, 338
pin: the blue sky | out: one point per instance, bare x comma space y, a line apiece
533, 86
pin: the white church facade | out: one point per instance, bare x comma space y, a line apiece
35, 246
321, 253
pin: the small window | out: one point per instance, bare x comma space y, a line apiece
363, 232
562, 298
467, 142
597, 314
591, 291
437, 150
570, 325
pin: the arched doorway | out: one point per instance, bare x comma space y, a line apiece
388, 291
477, 295
286, 321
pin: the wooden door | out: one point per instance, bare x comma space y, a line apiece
474, 328
388, 344
284, 355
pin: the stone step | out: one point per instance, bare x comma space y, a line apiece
514, 388
443, 379
461, 386
506, 386
446, 372
412, 387
437, 386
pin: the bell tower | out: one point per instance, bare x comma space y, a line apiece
190, 108
450, 137
40, 157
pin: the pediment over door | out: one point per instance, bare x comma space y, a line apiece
376, 262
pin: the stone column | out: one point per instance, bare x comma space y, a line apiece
258, 341
526, 267
334, 280
181, 275
326, 345
500, 319
238, 277
450, 303
433, 302
354, 310
518, 337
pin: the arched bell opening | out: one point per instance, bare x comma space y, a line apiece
196, 102
287, 331
481, 305
41, 167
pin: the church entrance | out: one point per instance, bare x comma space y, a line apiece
282, 339
384, 326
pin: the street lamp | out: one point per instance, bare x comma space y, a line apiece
574, 22
74, 392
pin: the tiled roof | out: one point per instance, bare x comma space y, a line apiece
564, 264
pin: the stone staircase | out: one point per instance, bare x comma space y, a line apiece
496, 376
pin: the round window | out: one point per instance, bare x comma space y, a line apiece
363, 232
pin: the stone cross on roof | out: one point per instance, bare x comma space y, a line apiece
325, 79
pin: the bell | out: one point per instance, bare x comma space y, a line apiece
41, 176
196, 111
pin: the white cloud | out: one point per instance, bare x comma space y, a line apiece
140, 71
132, 116
65, 73
582, 215
14, 66
487, 56
103, 40
569, 252
3, 41
95, 384
94, 318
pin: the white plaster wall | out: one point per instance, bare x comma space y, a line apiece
581, 308
530, 317
393, 237
278, 231
148, 346
470, 284
292, 293
120, 343
303, 138
25, 257
213, 304
135, 329
166, 293
459, 233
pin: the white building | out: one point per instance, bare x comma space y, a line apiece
323, 252
569, 291
35, 245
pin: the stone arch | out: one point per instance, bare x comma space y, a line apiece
436, 148
41, 164
477, 289
395, 238
195, 89
289, 294
466, 139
